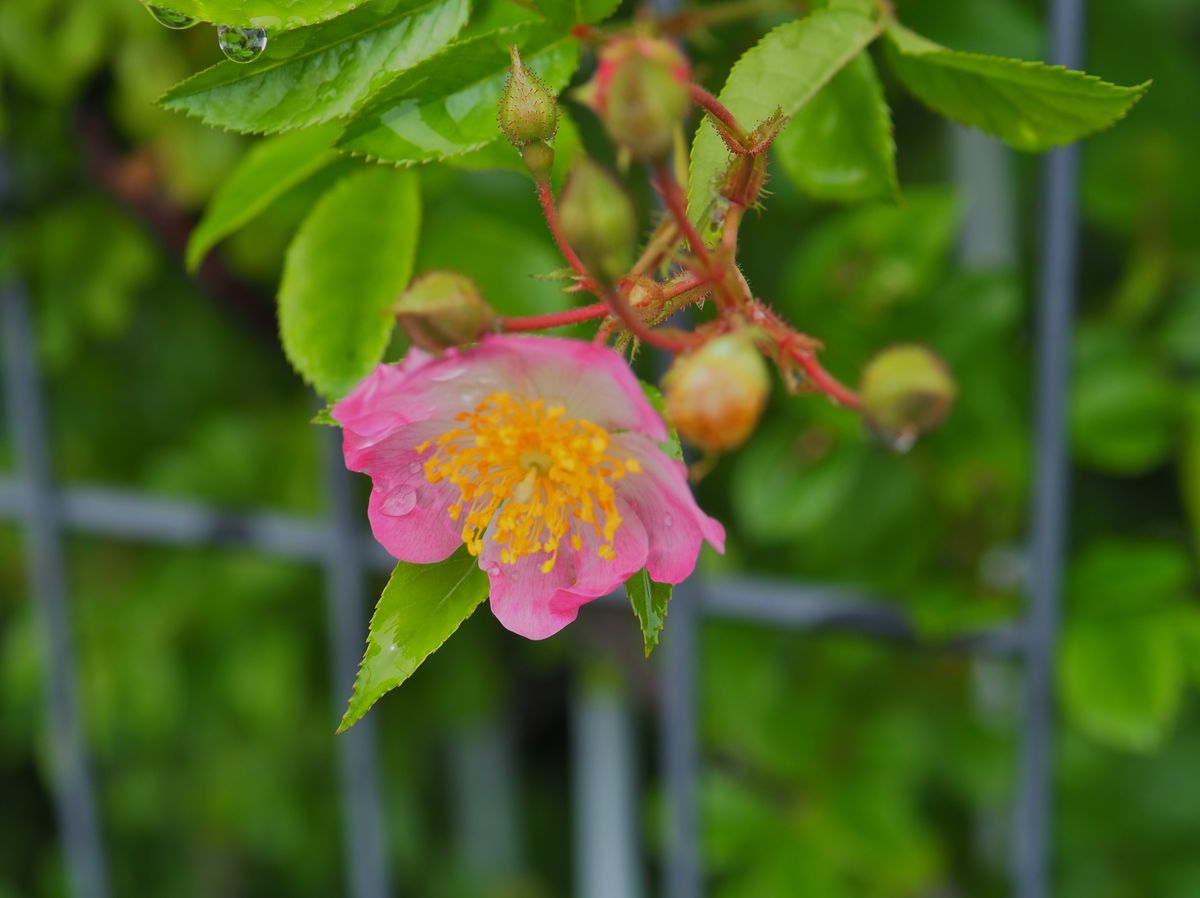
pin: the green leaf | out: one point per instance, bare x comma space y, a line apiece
783, 71
1122, 682
325, 418
1113, 578
649, 600
421, 607
1029, 105
1123, 407
1189, 631
867, 258
446, 106
273, 15
572, 11
1189, 468
269, 170
320, 73
352, 256
839, 145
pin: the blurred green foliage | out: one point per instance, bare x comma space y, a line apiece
835, 767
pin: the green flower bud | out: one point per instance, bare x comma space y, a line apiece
442, 309
640, 93
906, 390
598, 220
716, 395
539, 159
528, 108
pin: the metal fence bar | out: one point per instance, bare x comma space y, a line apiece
604, 786
74, 797
485, 807
102, 511
121, 514
364, 850
1056, 301
679, 743
811, 607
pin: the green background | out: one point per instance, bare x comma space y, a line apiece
834, 767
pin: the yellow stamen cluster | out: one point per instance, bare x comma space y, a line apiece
530, 472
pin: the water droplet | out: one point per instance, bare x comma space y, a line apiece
414, 467
493, 570
668, 521
241, 44
899, 441
171, 19
400, 503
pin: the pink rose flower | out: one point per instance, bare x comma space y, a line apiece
542, 456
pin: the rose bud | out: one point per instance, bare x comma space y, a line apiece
539, 159
906, 390
598, 220
716, 394
443, 309
528, 108
640, 93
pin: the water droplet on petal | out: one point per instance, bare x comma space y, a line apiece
493, 570
400, 502
171, 19
241, 44
668, 521
414, 467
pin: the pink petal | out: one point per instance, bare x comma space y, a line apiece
535, 604
409, 515
593, 382
660, 497
373, 408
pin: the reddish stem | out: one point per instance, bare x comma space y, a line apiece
613, 299
546, 198
717, 110
688, 282
826, 382
648, 335
677, 204
554, 319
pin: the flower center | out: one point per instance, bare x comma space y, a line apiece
530, 472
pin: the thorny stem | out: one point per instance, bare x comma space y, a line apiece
717, 272
717, 110
554, 319
677, 204
670, 341
613, 299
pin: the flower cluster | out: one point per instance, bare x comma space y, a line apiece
543, 456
